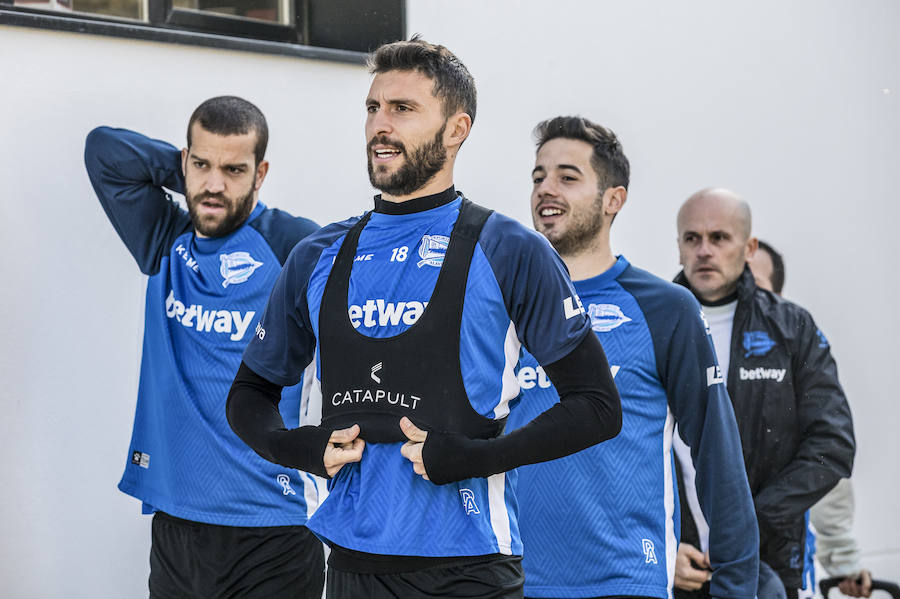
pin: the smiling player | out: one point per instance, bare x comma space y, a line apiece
601, 522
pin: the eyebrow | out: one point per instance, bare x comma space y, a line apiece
194, 156
713, 232
559, 167
407, 101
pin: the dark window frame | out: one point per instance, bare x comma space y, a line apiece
174, 25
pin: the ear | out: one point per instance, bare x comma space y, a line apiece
457, 129
184, 156
262, 169
752, 246
681, 251
614, 199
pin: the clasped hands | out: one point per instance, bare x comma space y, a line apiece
345, 446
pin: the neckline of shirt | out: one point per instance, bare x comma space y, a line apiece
209, 245
604, 278
720, 309
725, 301
416, 204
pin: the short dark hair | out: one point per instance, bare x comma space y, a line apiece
230, 115
453, 84
608, 158
777, 266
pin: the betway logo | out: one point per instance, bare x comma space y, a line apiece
758, 374
529, 377
219, 321
377, 312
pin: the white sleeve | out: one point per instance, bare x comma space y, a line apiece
832, 519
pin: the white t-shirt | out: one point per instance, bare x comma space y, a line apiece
721, 323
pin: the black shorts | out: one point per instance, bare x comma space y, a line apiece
192, 559
486, 578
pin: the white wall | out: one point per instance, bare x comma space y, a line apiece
72, 297
796, 105
783, 102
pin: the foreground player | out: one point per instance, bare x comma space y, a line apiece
795, 424
226, 522
602, 522
415, 315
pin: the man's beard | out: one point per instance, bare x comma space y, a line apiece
236, 212
420, 166
581, 232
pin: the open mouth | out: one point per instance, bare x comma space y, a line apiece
549, 212
212, 205
385, 154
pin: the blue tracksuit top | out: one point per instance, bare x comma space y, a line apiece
604, 521
204, 297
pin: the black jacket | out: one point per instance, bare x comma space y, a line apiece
795, 424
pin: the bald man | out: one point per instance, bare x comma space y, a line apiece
794, 421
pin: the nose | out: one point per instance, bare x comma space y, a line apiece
379, 123
705, 248
546, 188
215, 182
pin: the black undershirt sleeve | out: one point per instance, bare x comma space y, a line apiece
252, 411
589, 411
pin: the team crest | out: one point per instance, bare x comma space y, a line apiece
606, 317
757, 343
236, 267
432, 250
468, 499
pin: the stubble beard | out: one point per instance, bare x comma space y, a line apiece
580, 235
717, 289
236, 212
420, 166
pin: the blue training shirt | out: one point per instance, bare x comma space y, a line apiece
204, 297
517, 294
604, 521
